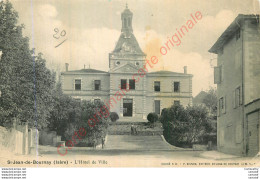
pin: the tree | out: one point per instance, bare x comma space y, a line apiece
96, 127
211, 101
25, 82
113, 116
183, 127
66, 111
152, 118
199, 123
174, 120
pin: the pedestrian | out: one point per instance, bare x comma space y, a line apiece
94, 143
135, 130
103, 142
132, 129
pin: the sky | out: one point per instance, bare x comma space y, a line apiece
91, 28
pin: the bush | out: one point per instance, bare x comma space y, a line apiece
184, 127
152, 117
204, 139
114, 116
174, 120
96, 129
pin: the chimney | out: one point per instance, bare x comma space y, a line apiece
67, 66
185, 69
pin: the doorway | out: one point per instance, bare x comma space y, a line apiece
127, 107
157, 109
253, 133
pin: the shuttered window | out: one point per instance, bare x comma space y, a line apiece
222, 106
237, 97
218, 74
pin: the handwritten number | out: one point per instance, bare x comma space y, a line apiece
63, 34
57, 35
57, 31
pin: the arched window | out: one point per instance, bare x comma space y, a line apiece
125, 22
129, 21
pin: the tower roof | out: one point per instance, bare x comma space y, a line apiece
127, 11
127, 42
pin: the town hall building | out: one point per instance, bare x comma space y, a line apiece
142, 94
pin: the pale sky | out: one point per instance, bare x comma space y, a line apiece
93, 28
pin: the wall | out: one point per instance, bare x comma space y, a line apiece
167, 96
87, 91
252, 61
16, 140
230, 123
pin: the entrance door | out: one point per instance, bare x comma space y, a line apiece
128, 107
253, 133
157, 106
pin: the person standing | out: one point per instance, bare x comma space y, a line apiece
132, 129
94, 143
103, 142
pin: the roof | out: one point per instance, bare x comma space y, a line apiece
127, 43
127, 11
169, 73
89, 70
199, 98
229, 32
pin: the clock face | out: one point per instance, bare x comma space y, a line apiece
117, 62
126, 47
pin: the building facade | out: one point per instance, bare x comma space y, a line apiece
237, 76
133, 95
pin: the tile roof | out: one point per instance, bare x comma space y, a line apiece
89, 70
164, 72
229, 32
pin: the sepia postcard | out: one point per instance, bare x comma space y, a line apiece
129, 83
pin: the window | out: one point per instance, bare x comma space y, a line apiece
237, 97
218, 74
97, 84
78, 100
131, 84
157, 86
125, 22
222, 105
123, 84
176, 86
176, 102
77, 84
96, 100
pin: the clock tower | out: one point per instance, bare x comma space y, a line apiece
124, 62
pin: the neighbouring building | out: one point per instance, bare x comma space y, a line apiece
150, 93
198, 100
237, 76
